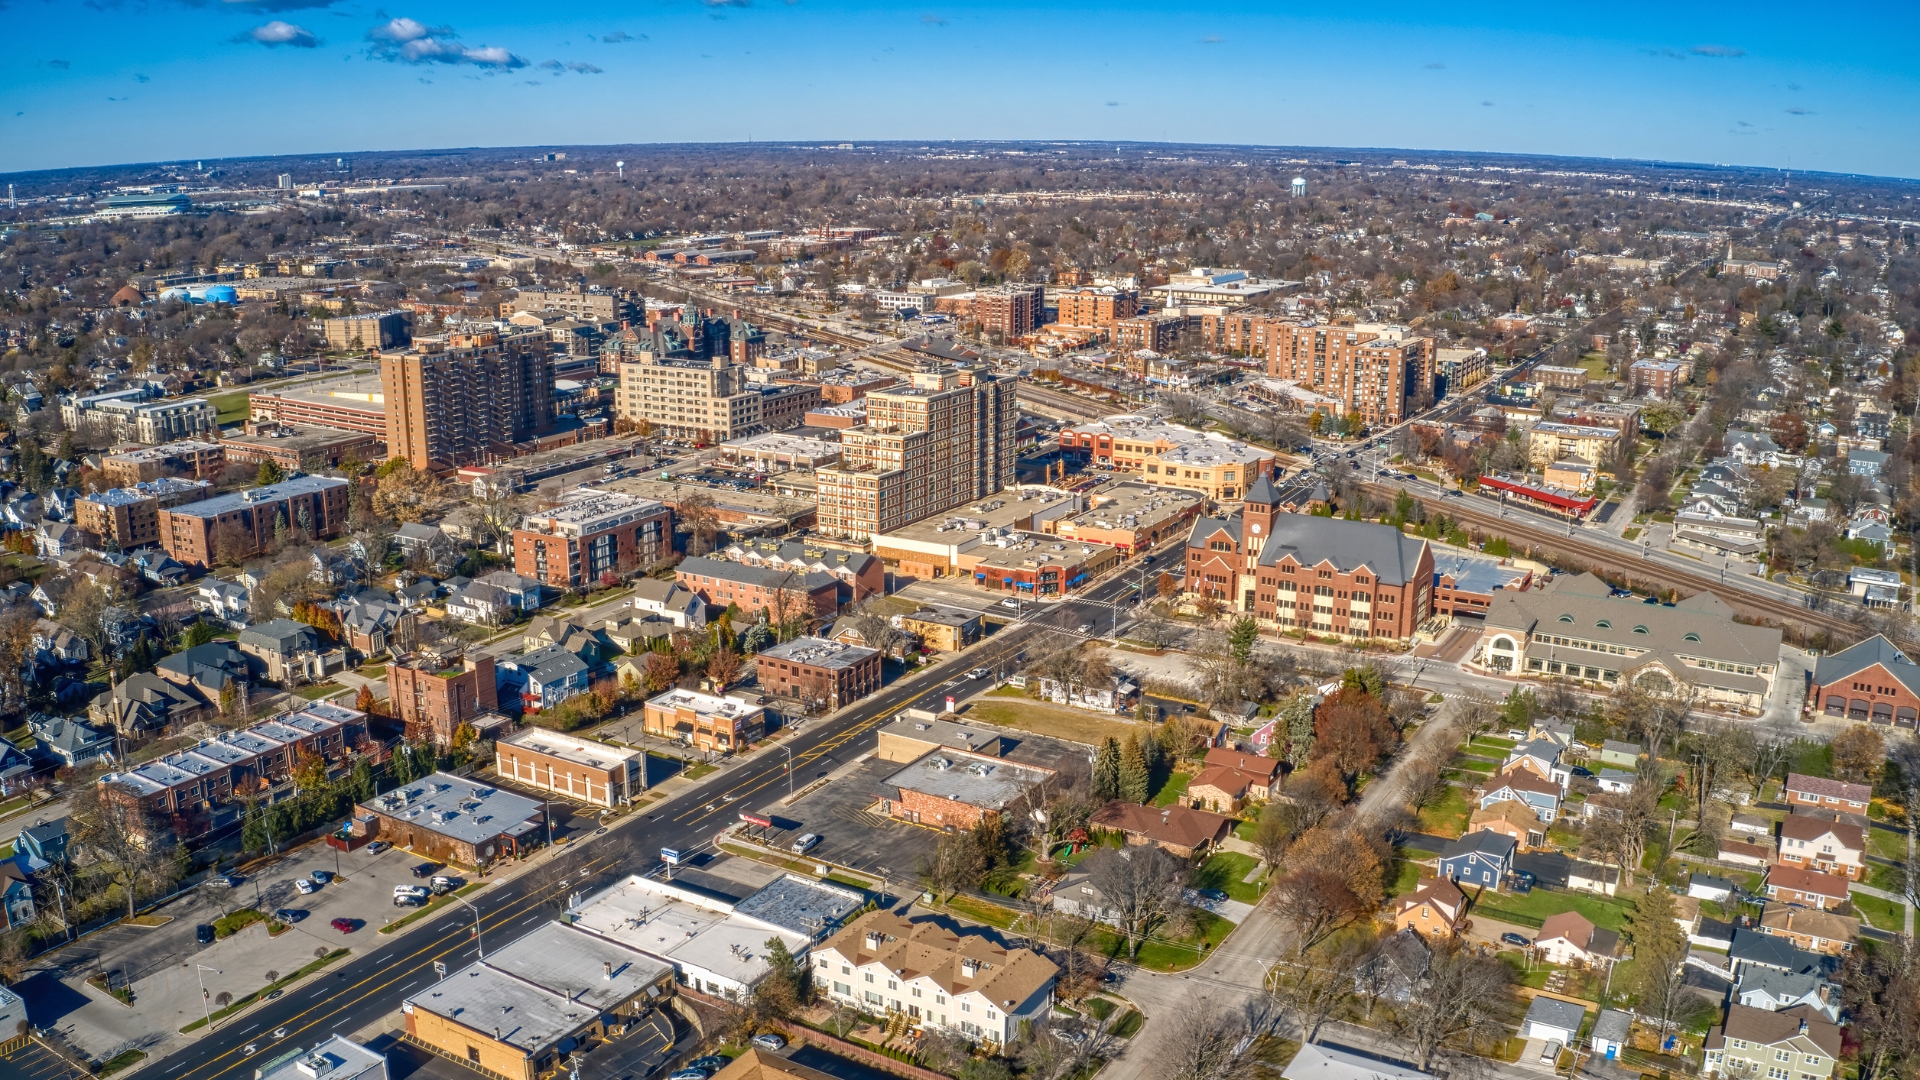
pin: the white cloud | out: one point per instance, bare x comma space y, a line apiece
277, 33
410, 41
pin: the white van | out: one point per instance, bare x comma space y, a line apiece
805, 843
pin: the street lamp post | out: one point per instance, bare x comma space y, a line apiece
478, 947
206, 1002
788, 750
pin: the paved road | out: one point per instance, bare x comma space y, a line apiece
382, 973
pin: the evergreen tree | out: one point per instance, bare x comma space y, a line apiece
1135, 781
1295, 728
253, 832
1240, 638
269, 474
1660, 954
363, 785
1106, 771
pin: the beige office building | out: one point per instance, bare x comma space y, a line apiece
943, 441
688, 399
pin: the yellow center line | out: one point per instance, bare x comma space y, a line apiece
506, 914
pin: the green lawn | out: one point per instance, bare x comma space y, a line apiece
1226, 871
1406, 876
1171, 791
232, 408
1535, 908
1880, 914
1494, 743
1887, 845
1482, 769
1447, 815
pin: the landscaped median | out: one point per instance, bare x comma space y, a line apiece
437, 903
245, 1000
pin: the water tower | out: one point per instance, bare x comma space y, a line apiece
622, 166
1299, 187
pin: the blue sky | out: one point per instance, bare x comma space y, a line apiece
1769, 84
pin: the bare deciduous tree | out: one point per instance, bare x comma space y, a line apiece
1142, 886
1199, 1044
1459, 1004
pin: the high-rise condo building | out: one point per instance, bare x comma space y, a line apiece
468, 399
945, 440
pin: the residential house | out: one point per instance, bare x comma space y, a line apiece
542, 678
1808, 888
1230, 778
1571, 938
44, 842
944, 629
524, 593
481, 605
1542, 759
1552, 1020
1819, 792
66, 743
16, 768
1437, 909
54, 644
16, 894
223, 602
1797, 1044
545, 630
1515, 820
671, 601
1831, 847
935, 976
426, 543
372, 626
1115, 694
1751, 948
144, 703
1187, 833
210, 669
1778, 991
289, 650
1478, 858
1523, 786
1809, 928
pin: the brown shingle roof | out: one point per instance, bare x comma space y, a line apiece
1807, 881
931, 948
1809, 828
1773, 1028
1265, 768
754, 1065
1782, 919
1173, 825
1820, 785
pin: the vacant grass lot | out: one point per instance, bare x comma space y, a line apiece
1051, 720
1447, 815
1538, 906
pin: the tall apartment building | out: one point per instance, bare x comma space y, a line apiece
1103, 306
1156, 332
467, 400
592, 533
244, 522
134, 416
945, 440
584, 305
1010, 309
707, 402
432, 696
1378, 371
374, 330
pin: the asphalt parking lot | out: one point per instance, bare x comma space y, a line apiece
855, 836
167, 966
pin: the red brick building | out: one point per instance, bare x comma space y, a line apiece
1012, 310
815, 670
958, 789
1323, 575
1380, 373
1096, 307
1828, 794
782, 593
1872, 682
241, 525
433, 697
1157, 332
593, 534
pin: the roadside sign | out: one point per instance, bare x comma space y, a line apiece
440, 968
670, 856
756, 819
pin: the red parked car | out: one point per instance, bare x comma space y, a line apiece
345, 926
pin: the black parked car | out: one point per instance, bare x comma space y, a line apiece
426, 869
203, 934
1515, 939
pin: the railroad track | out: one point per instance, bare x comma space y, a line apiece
1678, 578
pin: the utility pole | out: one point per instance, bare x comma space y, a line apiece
206, 1002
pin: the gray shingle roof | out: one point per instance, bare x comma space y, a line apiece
1393, 556
1837, 667
1556, 1013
